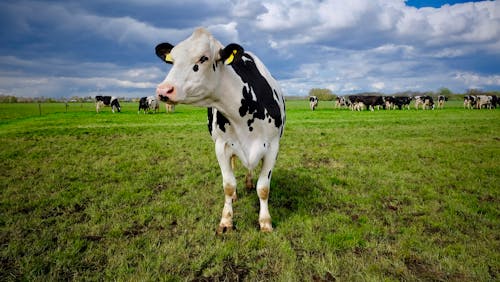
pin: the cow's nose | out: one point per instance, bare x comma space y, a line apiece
163, 91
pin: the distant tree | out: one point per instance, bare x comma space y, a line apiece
322, 94
8, 99
473, 91
445, 92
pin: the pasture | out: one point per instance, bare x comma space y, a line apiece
355, 196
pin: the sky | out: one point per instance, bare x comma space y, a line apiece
97, 47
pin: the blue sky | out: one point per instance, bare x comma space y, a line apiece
85, 48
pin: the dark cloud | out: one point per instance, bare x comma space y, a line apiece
359, 45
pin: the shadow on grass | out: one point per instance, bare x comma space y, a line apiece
300, 192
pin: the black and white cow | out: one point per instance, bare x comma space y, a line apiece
153, 104
441, 100
340, 102
484, 101
426, 101
392, 102
149, 103
469, 101
246, 109
313, 102
369, 101
101, 101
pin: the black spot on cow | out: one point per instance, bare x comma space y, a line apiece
195, 68
203, 59
258, 85
269, 174
210, 117
221, 120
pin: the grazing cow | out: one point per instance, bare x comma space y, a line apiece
441, 100
313, 102
143, 105
369, 101
494, 101
101, 101
153, 104
246, 109
401, 101
426, 101
340, 102
149, 103
484, 101
469, 101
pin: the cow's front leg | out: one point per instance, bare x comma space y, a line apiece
263, 188
229, 185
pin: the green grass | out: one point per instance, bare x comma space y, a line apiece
355, 196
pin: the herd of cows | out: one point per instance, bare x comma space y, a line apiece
353, 102
359, 102
146, 104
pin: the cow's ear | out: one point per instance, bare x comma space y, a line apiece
231, 53
163, 52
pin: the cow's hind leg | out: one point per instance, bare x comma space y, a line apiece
229, 185
263, 188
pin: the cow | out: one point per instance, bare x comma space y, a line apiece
153, 104
101, 101
369, 101
149, 103
469, 101
398, 101
441, 100
246, 109
340, 102
313, 102
143, 105
484, 101
426, 101
494, 101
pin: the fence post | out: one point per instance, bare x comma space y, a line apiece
40, 108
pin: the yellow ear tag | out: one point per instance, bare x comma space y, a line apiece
231, 57
168, 58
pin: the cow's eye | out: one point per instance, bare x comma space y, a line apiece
195, 68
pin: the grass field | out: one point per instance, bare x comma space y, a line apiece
355, 196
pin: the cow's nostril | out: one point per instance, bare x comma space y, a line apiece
170, 90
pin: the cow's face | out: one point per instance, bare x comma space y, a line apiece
194, 73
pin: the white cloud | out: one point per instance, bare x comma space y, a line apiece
346, 46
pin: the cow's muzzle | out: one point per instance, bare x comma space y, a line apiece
166, 93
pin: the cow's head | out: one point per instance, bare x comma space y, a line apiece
196, 64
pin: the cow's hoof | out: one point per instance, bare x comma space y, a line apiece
266, 226
223, 229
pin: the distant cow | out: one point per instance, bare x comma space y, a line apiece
369, 101
484, 101
153, 104
313, 102
147, 104
426, 101
101, 101
143, 105
469, 101
340, 102
391, 102
441, 100
246, 109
